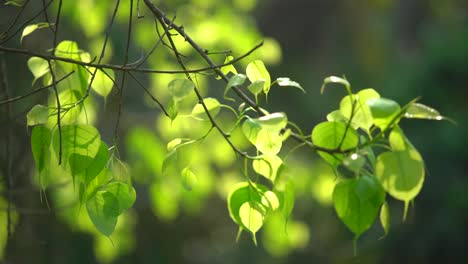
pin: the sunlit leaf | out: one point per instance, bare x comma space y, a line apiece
102, 83
270, 200
173, 109
269, 142
242, 193
68, 49
267, 166
255, 71
173, 144
38, 115
420, 111
334, 79
189, 179
357, 202
288, 82
235, 80
385, 217
228, 68
31, 28
273, 122
333, 135
40, 144
250, 129
354, 162
361, 116
336, 116
213, 106
256, 87
383, 111
180, 88
252, 216
96, 164
38, 67
287, 198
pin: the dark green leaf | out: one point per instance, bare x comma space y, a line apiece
40, 144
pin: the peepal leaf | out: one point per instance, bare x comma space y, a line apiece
420, 111
385, 217
31, 28
102, 82
38, 67
235, 80
108, 203
383, 111
284, 81
255, 71
357, 202
228, 68
331, 135
189, 179
213, 106
180, 88
252, 216
38, 115
40, 144
361, 117
268, 166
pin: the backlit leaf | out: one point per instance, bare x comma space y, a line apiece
269, 142
31, 28
38, 115
235, 80
38, 67
40, 144
357, 202
180, 88
189, 179
102, 83
252, 216
283, 81
385, 217
213, 106
256, 87
267, 166
362, 116
383, 111
421, 111
255, 71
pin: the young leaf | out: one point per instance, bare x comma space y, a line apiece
269, 142
228, 68
38, 115
38, 67
421, 111
256, 87
189, 179
357, 202
31, 28
401, 173
383, 111
173, 109
273, 122
250, 129
252, 216
354, 162
81, 140
235, 80
267, 166
102, 83
240, 194
334, 79
332, 135
287, 197
362, 116
40, 144
180, 88
213, 106
270, 200
385, 217
96, 165
68, 49
255, 71
173, 144
288, 82
337, 116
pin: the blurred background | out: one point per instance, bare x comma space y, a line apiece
403, 49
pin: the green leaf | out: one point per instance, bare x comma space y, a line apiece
383, 111
421, 111
108, 203
38, 67
68, 49
333, 135
38, 115
357, 202
288, 82
385, 217
180, 88
15, 3
269, 142
81, 140
401, 173
213, 106
256, 87
252, 216
170, 161
40, 144
354, 162
173, 109
102, 83
270, 200
189, 179
287, 198
250, 129
173, 144
255, 71
273, 122
235, 80
362, 116
336, 116
241, 193
31, 28
96, 164
334, 79
228, 68
268, 166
